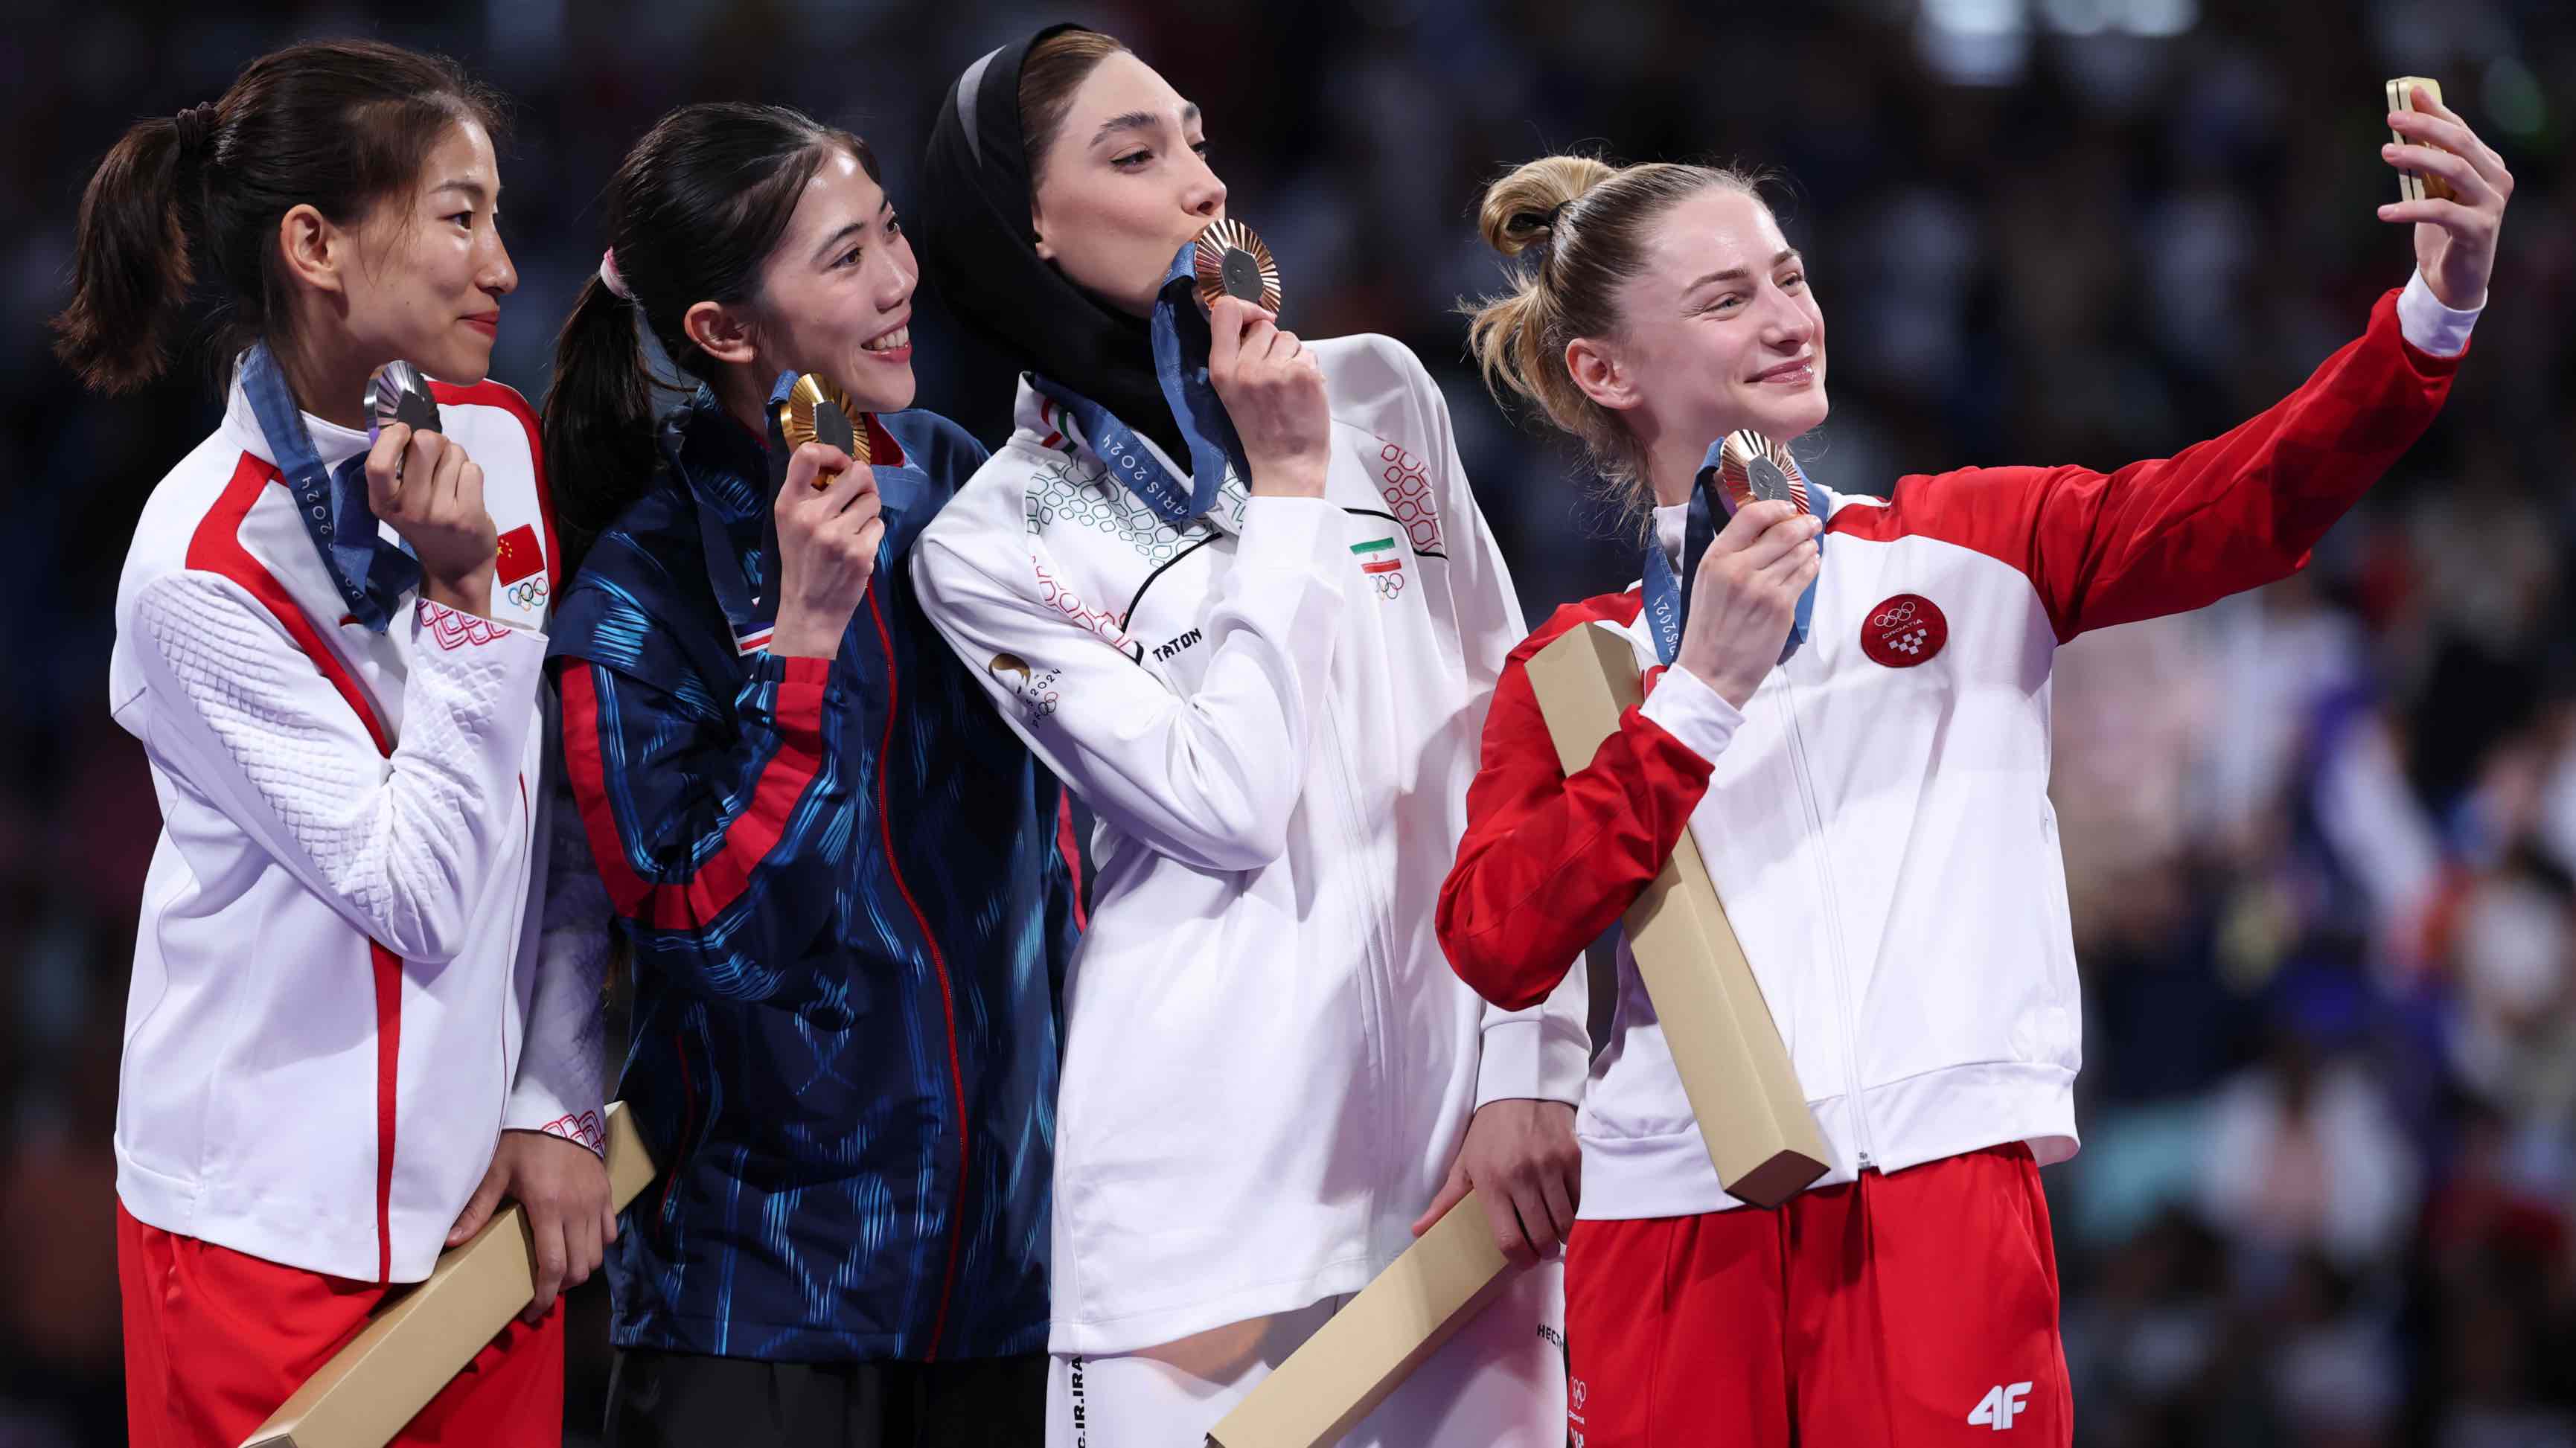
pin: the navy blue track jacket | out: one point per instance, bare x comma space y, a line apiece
850, 915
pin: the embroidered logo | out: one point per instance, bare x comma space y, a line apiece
1904, 631
455, 630
1379, 560
519, 570
1035, 690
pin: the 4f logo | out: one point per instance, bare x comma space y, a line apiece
1999, 1407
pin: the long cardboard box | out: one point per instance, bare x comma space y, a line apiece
1342, 1373
423, 1337
1752, 1115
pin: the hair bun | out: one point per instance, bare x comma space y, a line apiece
1523, 208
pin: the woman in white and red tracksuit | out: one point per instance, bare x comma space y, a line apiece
1873, 808
363, 1007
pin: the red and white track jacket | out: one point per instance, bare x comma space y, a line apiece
337, 1001
1877, 817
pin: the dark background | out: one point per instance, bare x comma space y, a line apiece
2320, 839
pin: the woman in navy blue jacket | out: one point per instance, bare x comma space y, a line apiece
838, 869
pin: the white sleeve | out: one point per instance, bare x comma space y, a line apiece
404, 846
2432, 327
1209, 777
1543, 1052
563, 1064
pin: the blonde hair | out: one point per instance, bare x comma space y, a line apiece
1576, 226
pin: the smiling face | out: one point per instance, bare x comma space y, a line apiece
1719, 330
1124, 185
430, 270
836, 292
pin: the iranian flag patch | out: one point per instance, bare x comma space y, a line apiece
1380, 561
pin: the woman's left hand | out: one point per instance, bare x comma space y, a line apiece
2455, 240
1522, 1159
563, 1186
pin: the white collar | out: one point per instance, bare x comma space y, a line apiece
332, 443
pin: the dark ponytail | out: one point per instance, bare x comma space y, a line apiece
693, 214
132, 255
338, 125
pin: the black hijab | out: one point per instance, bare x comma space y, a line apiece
980, 253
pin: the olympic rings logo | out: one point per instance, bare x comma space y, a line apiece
528, 592
1901, 614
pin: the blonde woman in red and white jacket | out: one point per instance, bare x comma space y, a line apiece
359, 1014
1873, 806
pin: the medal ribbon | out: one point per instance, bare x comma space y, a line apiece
1181, 342
1668, 597
371, 574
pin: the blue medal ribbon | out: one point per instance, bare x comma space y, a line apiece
1668, 597
1181, 343
371, 574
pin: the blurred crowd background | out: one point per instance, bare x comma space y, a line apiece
2322, 839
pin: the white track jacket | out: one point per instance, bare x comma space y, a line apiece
1876, 817
346, 983
1274, 714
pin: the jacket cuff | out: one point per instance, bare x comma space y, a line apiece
2430, 327
528, 1112
1690, 711
1529, 1056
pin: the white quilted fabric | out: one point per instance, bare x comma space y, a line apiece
403, 846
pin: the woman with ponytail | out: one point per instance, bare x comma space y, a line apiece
360, 988
1848, 708
1264, 673
838, 872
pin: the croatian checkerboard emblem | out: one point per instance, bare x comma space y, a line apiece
1904, 631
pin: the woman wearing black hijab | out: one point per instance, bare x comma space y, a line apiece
1233, 589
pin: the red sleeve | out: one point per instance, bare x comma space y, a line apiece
1548, 862
2166, 536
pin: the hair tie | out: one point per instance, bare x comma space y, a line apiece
1554, 211
196, 127
609, 278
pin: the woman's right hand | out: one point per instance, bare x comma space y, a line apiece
827, 550
1274, 391
423, 484
1746, 596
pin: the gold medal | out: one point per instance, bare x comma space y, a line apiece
1752, 468
1232, 262
817, 410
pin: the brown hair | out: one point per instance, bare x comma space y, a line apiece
1055, 68
338, 125
1582, 223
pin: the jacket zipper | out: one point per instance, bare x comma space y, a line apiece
939, 965
1374, 951
1848, 1003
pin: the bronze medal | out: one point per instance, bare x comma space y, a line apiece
817, 410
1754, 469
1232, 262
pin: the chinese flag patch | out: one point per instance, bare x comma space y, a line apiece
521, 555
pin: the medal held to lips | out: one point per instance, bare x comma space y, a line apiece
1754, 469
1232, 262
817, 410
